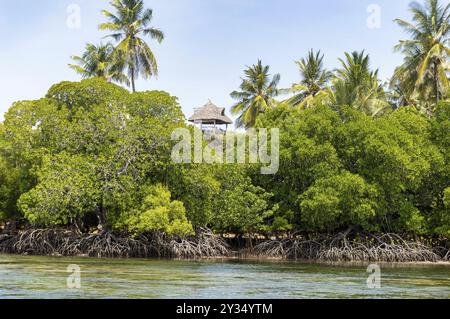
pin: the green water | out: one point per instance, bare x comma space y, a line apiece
46, 277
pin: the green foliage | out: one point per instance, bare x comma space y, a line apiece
99, 61
306, 153
4, 190
410, 219
399, 163
313, 83
65, 191
130, 22
447, 198
197, 187
439, 221
156, 105
395, 153
240, 207
88, 148
94, 136
87, 93
357, 86
423, 77
441, 127
158, 213
339, 201
257, 92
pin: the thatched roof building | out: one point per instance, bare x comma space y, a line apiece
210, 114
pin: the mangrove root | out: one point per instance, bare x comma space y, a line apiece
59, 242
386, 247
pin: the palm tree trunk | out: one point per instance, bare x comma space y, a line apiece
436, 82
132, 79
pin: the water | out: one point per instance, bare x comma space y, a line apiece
46, 277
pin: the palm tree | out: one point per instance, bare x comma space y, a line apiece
127, 25
256, 94
356, 85
313, 83
399, 95
98, 61
423, 75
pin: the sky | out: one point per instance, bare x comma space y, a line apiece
208, 43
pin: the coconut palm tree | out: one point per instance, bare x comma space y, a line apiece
424, 73
313, 83
399, 96
128, 25
356, 85
98, 61
257, 92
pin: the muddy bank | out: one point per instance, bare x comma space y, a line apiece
336, 248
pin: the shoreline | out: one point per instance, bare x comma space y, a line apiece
389, 248
250, 259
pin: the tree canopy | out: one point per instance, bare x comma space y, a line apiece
91, 154
353, 155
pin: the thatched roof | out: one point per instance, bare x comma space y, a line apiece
210, 114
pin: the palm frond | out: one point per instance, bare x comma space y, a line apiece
257, 91
128, 23
425, 54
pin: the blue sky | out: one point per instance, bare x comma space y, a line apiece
208, 42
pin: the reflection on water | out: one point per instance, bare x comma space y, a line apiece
45, 277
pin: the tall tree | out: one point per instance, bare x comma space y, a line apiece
313, 83
98, 61
257, 92
357, 86
130, 22
424, 73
